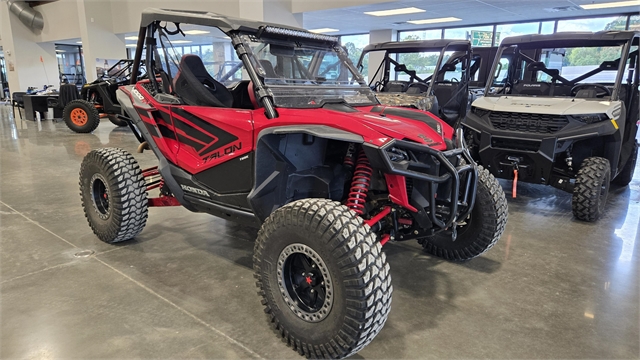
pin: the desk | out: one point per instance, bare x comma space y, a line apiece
33, 103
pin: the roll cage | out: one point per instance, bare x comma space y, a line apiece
461, 55
525, 52
152, 24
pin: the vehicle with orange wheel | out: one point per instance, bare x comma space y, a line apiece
98, 100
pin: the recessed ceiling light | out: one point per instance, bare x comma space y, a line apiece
408, 10
196, 32
433, 21
131, 38
323, 30
61, 50
132, 45
181, 41
78, 42
610, 5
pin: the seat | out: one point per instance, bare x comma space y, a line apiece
396, 86
196, 87
269, 70
68, 93
17, 101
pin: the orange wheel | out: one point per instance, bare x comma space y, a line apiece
79, 116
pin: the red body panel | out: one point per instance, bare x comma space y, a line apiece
197, 138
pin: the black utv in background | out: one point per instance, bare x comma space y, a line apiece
98, 99
561, 110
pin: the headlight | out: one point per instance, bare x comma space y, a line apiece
591, 118
478, 111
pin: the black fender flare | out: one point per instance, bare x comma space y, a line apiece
265, 181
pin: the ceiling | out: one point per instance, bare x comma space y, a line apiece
352, 20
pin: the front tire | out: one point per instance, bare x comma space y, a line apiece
81, 116
114, 196
591, 189
343, 299
480, 231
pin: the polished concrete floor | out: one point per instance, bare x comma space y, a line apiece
553, 287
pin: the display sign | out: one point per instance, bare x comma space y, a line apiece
483, 38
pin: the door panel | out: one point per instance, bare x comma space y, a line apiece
209, 137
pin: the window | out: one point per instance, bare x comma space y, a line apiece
70, 64
479, 35
593, 24
634, 23
354, 45
547, 27
504, 31
501, 72
420, 35
211, 45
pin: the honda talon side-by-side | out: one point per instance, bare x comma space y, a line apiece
561, 110
430, 75
98, 99
300, 148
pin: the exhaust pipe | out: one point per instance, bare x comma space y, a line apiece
27, 15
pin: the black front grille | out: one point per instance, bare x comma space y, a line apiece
533, 123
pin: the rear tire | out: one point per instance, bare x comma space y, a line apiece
591, 189
350, 271
114, 196
81, 116
115, 120
482, 229
626, 175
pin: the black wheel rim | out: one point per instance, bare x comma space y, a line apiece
305, 282
100, 195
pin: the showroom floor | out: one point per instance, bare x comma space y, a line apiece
553, 287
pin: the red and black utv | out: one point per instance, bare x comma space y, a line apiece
300, 148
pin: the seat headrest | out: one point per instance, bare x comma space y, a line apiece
194, 64
270, 72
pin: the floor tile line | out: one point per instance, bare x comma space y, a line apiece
38, 225
209, 326
186, 312
37, 272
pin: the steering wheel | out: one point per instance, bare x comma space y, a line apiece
454, 80
605, 91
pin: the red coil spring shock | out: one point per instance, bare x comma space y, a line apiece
360, 184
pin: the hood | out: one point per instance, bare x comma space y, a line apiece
377, 125
545, 105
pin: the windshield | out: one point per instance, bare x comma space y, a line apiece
304, 75
547, 71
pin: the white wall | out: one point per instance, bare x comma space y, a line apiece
60, 20
98, 39
279, 11
24, 54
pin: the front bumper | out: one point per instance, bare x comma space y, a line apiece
440, 185
535, 152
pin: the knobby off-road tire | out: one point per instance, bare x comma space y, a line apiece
591, 189
626, 175
81, 116
114, 196
480, 231
115, 120
346, 255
